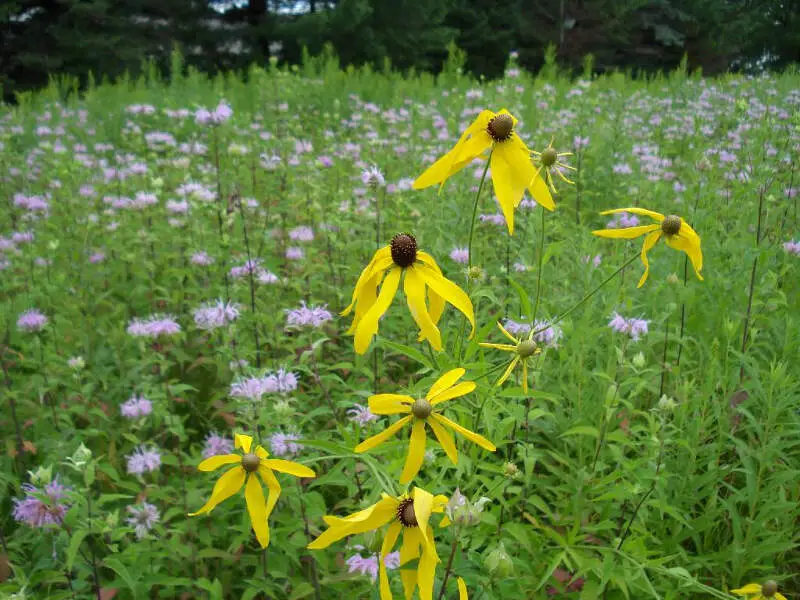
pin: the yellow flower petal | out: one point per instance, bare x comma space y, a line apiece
445, 381
409, 550
254, 496
416, 452
688, 241
637, 211
242, 441
426, 575
512, 171
540, 192
470, 435
388, 545
450, 292
503, 347
368, 294
226, 486
445, 440
368, 326
524, 376
750, 588
508, 371
626, 233
506, 333
368, 519
274, 487
414, 288
390, 404
649, 242
462, 589
287, 466
376, 440
261, 452
215, 462
462, 389
779, 596
423, 506
365, 275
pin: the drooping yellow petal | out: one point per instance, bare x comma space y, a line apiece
435, 301
450, 292
688, 241
649, 242
540, 192
462, 389
274, 487
508, 371
626, 233
388, 545
506, 333
261, 452
368, 326
390, 404
368, 294
226, 486
215, 462
416, 452
503, 347
426, 574
287, 466
779, 596
242, 441
368, 519
423, 506
512, 171
365, 275
384, 435
637, 211
414, 288
256, 508
445, 439
750, 588
462, 589
409, 550
470, 435
445, 381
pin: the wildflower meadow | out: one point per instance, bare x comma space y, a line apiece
326, 333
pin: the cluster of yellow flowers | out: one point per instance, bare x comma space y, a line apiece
514, 169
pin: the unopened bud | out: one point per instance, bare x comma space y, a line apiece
510, 470
498, 562
639, 360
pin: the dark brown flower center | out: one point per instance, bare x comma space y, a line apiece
671, 224
769, 589
404, 249
406, 514
501, 127
549, 157
250, 462
421, 408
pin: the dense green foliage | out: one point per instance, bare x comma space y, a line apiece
50, 37
663, 465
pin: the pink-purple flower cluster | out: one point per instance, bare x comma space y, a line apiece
622, 220
154, 326
368, 565
143, 460
215, 315
301, 234
792, 247
284, 444
136, 407
460, 255
254, 388
635, 328
42, 507
308, 316
31, 321
219, 115
143, 518
544, 333
217, 445
361, 414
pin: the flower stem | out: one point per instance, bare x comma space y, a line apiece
449, 567
475, 209
563, 315
539, 274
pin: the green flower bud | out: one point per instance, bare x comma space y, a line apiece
498, 562
41, 476
639, 361
510, 470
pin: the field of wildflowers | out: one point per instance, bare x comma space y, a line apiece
272, 337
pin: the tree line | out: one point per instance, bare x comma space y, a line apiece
41, 38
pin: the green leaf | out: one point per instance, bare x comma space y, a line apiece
121, 570
408, 351
582, 430
524, 299
74, 545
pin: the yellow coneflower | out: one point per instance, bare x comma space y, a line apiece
462, 590
424, 411
423, 278
523, 350
248, 464
550, 161
408, 514
675, 231
756, 591
512, 169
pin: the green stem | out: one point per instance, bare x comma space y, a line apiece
563, 315
475, 209
539, 273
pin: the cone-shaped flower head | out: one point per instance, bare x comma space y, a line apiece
425, 287
248, 465
523, 349
756, 591
510, 162
675, 231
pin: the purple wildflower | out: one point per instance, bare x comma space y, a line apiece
216, 315
40, 508
136, 407
369, 565
635, 328
201, 259
372, 177
308, 316
361, 414
31, 320
460, 255
143, 460
143, 517
295, 253
154, 326
217, 445
286, 381
302, 234
252, 388
284, 444
792, 247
